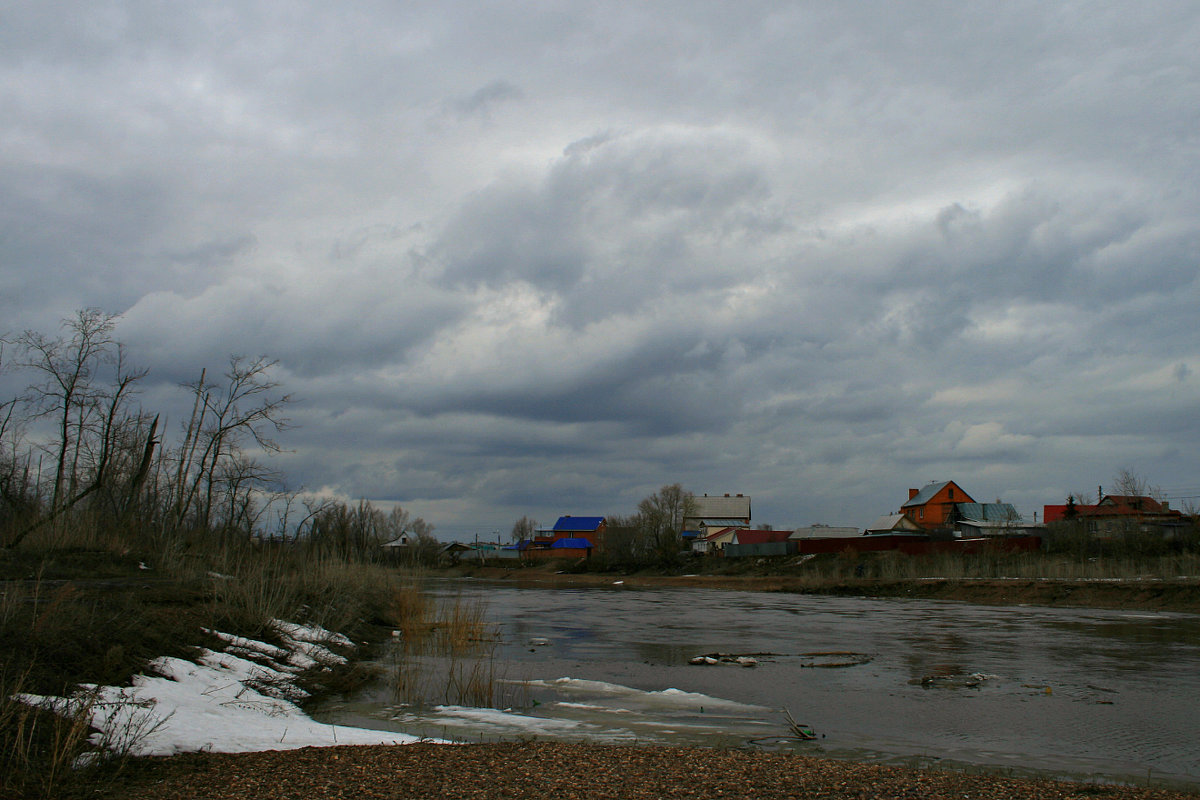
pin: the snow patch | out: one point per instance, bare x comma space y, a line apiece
221, 703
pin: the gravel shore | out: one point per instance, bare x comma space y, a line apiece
563, 771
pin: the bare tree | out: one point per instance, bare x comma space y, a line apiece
523, 529
1082, 498
662, 515
224, 419
1128, 483
18, 494
653, 533
426, 547
86, 387
68, 392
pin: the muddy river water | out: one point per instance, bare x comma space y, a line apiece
1086, 694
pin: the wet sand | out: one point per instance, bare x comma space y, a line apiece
544, 770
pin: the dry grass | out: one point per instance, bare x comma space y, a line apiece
106, 611
894, 566
40, 749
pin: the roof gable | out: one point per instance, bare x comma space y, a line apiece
891, 522
1131, 503
721, 535
931, 490
727, 507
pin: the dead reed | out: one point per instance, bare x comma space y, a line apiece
445, 652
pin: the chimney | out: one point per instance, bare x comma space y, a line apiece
912, 493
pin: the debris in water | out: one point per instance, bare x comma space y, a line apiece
803, 732
741, 659
954, 680
836, 658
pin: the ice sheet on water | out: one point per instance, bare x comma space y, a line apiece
578, 710
664, 698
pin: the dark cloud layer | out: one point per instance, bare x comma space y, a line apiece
518, 260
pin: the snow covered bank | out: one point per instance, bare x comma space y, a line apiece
239, 700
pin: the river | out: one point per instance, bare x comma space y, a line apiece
1077, 693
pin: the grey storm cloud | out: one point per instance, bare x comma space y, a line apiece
529, 260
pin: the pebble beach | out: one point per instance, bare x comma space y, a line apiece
563, 771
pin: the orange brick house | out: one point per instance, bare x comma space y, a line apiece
932, 507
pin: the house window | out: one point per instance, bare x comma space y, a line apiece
920, 513
951, 493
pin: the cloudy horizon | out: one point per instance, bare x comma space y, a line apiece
542, 259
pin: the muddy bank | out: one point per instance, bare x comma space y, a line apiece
1142, 594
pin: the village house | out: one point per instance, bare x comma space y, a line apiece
932, 508
746, 542
590, 529
1118, 514
711, 514
715, 541
943, 506
571, 537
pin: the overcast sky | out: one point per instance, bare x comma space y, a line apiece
544, 258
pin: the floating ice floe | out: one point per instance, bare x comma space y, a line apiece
664, 698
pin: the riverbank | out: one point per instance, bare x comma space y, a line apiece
545, 770
167, 614
1145, 594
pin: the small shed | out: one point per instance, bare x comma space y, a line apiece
893, 523
825, 532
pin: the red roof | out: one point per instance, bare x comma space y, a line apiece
747, 536
1112, 505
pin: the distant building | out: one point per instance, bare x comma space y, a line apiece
710, 514
932, 507
715, 541
987, 519
590, 529
824, 532
893, 523
1117, 514
943, 506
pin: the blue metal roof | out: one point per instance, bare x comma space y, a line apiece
581, 544
577, 524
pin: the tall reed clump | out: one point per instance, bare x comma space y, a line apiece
445, 652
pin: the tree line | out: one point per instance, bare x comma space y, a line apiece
82, 460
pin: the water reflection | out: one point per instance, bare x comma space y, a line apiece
1075, 692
